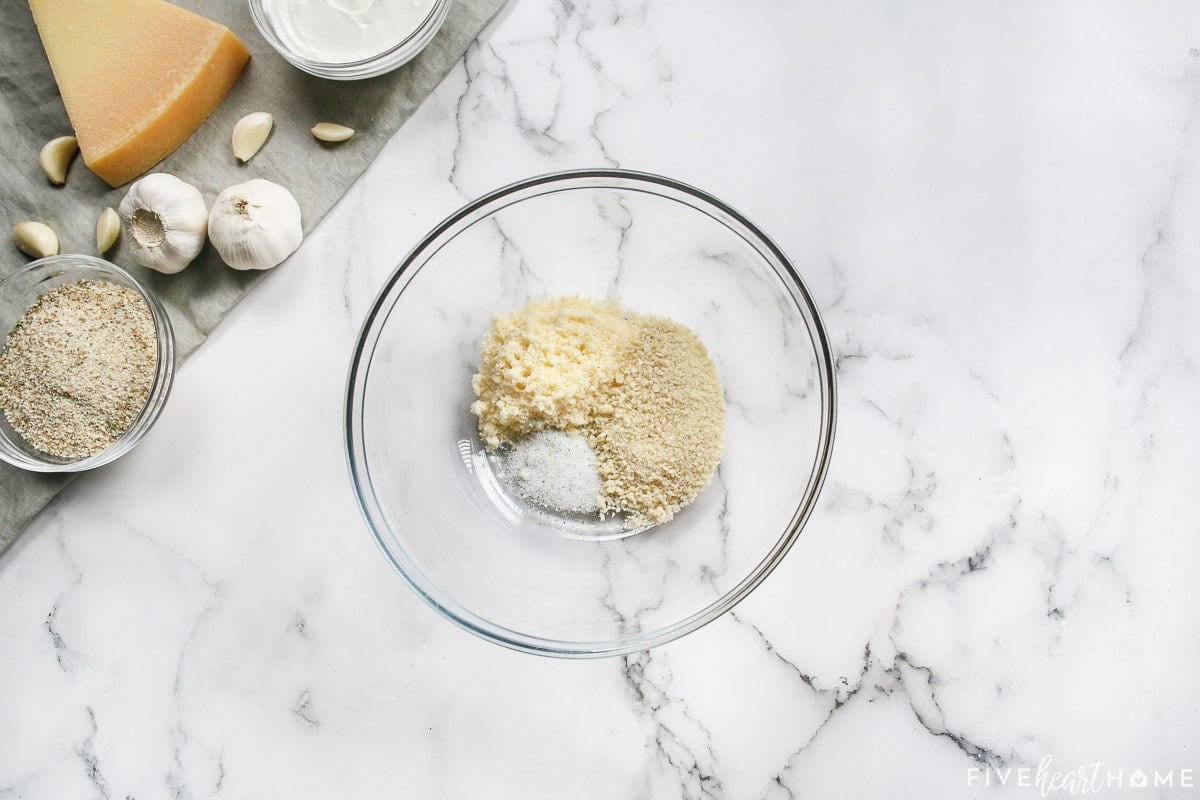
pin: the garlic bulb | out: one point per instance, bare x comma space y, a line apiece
255, 225
164, 220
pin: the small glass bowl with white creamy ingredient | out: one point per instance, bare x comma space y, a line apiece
348, 39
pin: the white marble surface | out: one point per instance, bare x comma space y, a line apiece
996, 205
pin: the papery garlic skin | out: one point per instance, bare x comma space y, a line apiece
35, 239
108, 228
250, 134
55, 157
331, 132
255, 225
164, 220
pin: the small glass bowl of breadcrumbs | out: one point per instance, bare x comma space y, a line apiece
590, 412
86, 363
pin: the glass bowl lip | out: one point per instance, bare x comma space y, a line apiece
164, 367
628, 643
382, 63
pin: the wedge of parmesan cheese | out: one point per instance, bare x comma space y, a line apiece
138, 77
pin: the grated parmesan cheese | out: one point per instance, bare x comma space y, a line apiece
543, 365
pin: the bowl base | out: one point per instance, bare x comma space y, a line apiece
502, 493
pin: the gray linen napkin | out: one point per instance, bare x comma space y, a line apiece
31, 113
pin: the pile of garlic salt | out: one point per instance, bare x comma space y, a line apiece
344, 31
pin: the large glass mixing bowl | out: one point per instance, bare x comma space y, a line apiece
516, 575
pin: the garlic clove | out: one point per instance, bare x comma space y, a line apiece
164, 220
255, 225
35, 239
331, 132
56, 156
250, 134
108, 228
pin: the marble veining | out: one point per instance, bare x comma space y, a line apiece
995, 208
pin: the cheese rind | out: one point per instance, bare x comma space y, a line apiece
137, 77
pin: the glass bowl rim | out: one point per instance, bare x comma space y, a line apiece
368, 338
373, 66
164, 367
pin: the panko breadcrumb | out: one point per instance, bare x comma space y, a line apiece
659, 429
77, 368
